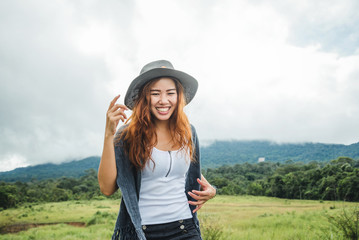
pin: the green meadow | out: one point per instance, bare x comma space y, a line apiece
224, 217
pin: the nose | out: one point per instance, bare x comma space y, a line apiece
163, 99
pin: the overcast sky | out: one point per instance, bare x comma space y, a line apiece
286, 71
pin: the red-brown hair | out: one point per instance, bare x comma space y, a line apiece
140, 135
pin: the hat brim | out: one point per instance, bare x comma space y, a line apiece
189, 83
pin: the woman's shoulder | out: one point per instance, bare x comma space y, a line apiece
194, 134
122, 129
193, 129
119, 134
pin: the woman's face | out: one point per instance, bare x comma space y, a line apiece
163, 94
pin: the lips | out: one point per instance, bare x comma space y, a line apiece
163, 110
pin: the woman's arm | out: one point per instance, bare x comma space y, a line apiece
107, 172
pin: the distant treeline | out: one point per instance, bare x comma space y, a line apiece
335, 180
51, 190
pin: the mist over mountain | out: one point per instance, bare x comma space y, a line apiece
231, 152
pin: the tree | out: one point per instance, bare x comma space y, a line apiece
7, 196
255, 188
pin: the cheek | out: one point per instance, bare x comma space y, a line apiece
152, 100
174, 100
151, 105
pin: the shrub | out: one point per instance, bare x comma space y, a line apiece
92, 221
346, 223
210, 230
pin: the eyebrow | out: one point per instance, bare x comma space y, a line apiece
157, 90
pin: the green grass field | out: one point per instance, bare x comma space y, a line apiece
225, 217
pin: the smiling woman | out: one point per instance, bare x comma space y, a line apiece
154, 159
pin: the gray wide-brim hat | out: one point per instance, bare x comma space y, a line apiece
158, 69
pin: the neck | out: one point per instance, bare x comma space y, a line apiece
164, 136
162, 125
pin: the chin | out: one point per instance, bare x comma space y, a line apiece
162, 118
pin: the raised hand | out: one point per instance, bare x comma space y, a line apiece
115, 113
207, 192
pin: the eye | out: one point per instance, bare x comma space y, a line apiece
155, 94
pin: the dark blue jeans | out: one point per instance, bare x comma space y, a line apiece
178, 230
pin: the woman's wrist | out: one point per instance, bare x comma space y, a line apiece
214, 190
109, 136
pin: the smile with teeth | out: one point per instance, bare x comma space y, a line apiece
163, 109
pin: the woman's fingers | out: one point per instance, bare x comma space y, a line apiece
116, 110
114, 101
115, 114
199, 197
116, 107
117, 118
207, 188
202, 196
196, 203
194, 196
203, 182
119, 112
197, 208
200, 193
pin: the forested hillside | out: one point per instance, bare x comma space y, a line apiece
217, 154
334, 180
231, 152
46, 171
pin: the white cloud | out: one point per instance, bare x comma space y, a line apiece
255, 84
280, 71
12, 161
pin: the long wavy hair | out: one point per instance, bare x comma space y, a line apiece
139, 137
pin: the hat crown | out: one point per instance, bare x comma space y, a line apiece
156, 64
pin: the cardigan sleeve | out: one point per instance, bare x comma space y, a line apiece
127, 179
194, 171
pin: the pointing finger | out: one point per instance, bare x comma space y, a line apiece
114, 101
117, 106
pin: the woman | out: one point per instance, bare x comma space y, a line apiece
154, 159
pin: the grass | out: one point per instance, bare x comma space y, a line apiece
99, 216
249, 217
225, 217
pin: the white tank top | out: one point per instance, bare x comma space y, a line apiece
162, 194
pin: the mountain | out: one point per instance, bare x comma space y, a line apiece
50, 170
214, 155
230, 152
